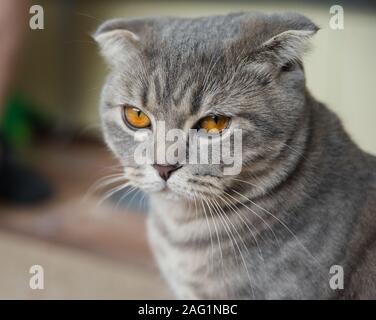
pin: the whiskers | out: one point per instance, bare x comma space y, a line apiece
283, 224
111, 185
226, 214
268, 214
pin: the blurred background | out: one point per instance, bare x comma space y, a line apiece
52, 155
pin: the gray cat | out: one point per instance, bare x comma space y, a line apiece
303, 205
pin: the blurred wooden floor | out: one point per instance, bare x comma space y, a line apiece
67, 222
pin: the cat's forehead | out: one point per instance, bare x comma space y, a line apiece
178, 66
179, 84
189, 34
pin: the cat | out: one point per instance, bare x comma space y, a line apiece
305, 199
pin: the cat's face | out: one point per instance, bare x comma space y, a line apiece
228, 72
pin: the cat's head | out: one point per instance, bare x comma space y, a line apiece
239, 71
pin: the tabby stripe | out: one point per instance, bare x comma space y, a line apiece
205, 242
263, 124
145, 95
157, 88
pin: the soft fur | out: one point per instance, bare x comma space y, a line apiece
305, 198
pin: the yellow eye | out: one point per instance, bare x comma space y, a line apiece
214, 124
135, 118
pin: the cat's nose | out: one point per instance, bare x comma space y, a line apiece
165, 170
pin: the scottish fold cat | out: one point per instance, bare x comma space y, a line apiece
302, 209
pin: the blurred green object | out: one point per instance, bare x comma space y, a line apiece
19, 120
19, 183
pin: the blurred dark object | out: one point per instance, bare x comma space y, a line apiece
19, 184
22, 120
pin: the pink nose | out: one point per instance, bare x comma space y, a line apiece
165, 170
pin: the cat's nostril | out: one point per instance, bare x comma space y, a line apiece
165, 170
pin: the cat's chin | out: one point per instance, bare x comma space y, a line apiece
172, 195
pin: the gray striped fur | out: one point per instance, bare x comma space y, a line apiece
305, 199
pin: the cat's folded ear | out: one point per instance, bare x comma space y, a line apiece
290, 44
119, 40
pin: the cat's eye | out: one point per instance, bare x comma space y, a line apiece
214, 123
135, 118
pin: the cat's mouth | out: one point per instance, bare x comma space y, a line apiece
165, 189
171, 194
